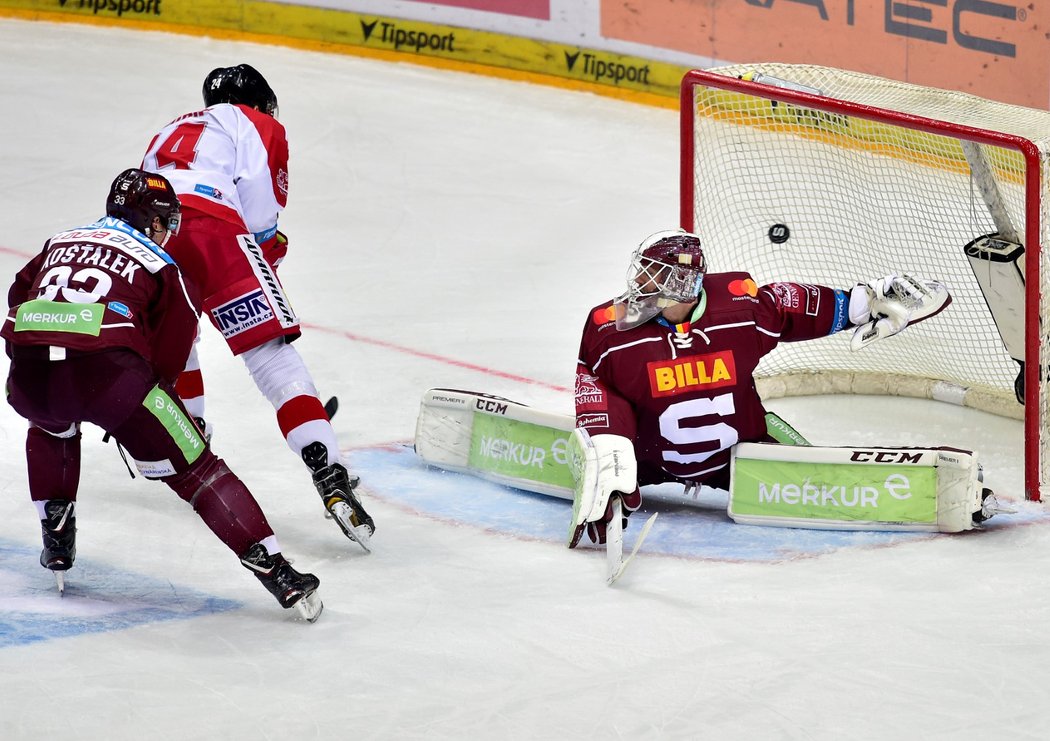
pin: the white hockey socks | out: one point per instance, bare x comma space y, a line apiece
282, 377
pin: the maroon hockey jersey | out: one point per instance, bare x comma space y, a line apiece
104, 286
685, 393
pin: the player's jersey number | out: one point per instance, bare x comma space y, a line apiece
179, 148
86, 286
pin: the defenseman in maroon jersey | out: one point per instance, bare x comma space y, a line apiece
229, 165
664, 380
100, 324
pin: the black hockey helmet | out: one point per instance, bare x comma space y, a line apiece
136, 197
240, 84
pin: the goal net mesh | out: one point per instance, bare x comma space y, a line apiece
860, 192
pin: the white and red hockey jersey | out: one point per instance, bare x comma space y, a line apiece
228, 161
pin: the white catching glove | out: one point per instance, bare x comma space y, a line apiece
885, 306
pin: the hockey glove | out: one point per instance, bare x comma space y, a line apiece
885, 306
602, 466
275, 250
596, 529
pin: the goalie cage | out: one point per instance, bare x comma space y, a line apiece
799, 172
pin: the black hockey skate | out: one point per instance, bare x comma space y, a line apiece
291, 588
59, 532
336, 488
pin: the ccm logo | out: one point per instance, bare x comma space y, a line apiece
885, 456
492, 407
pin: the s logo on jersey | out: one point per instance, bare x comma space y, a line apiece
242, 313
710, 371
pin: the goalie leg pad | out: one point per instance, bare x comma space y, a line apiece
919, 489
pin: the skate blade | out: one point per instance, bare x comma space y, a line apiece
60, 579
360, 534
310, 607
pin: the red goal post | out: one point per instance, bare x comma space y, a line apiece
815, 174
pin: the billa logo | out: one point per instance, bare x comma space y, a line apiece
710, 371
155, 183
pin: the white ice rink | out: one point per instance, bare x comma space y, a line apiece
453, 230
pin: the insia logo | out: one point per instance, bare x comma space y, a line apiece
746, 287
713, 370
243, 313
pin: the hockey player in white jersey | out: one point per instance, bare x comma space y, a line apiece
229, 165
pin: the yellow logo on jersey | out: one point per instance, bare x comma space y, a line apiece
667, 377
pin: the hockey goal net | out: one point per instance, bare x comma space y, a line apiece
805, 173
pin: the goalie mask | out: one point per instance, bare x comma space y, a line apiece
667, 268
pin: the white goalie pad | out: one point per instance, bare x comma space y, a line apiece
496, 439
854, 488
998, 265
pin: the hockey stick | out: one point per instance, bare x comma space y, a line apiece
616, 564
614, 543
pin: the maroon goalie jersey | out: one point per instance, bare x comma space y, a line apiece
99, 287
685, 393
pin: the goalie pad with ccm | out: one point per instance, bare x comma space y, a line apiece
854, 488
496, 439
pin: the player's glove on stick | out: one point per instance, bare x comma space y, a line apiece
603, 466
885, 306
275, 249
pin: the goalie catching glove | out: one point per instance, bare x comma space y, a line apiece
885, 306
603, 467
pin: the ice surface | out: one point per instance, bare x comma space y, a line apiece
453, 230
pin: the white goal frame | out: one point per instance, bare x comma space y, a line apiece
977, 121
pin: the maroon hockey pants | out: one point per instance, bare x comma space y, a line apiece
108, 389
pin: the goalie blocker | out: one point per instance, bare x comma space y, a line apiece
998, 265
856, 488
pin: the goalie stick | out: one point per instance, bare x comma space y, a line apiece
615, 563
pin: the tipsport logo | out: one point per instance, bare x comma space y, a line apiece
120, 7
607, 69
